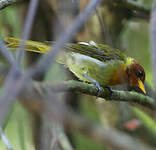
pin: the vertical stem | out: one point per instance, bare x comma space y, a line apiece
153, 40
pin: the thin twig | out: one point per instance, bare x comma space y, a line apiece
6, 53
5, 140
153, 40
27, 28
8, 92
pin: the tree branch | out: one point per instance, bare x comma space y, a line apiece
33, 95
140, 11
6, 3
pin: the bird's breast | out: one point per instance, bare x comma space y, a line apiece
117, 76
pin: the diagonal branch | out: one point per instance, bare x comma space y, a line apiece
27, 28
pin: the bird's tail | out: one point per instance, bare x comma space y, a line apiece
33, 46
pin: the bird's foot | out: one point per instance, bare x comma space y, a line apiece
99, 89
107, 87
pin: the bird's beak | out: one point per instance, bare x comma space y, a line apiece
141, 86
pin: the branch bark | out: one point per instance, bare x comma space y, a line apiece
33, 95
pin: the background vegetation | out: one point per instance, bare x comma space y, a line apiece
123, 24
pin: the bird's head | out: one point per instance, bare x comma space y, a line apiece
135, 75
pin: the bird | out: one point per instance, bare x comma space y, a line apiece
92, 62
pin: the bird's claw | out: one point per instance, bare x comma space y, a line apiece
99, 89
109, 89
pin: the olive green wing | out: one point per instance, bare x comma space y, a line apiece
101, 52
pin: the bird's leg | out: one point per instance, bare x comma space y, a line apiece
94, 82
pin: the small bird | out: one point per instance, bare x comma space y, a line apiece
92, 62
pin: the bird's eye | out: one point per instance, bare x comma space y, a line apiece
140, 74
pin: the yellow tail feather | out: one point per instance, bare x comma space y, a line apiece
33, 46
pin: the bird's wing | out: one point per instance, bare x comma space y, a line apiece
101, 52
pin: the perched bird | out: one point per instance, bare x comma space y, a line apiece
92, 62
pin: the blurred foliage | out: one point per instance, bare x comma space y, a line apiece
135, 42
18, 129
84, 143
10, 22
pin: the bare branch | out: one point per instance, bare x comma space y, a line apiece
8, 57
153, 40
34, 93
27, 28
8, 92
6, 3
139, 11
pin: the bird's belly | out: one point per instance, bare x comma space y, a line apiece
102, 72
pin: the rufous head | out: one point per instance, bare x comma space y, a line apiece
135, 75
